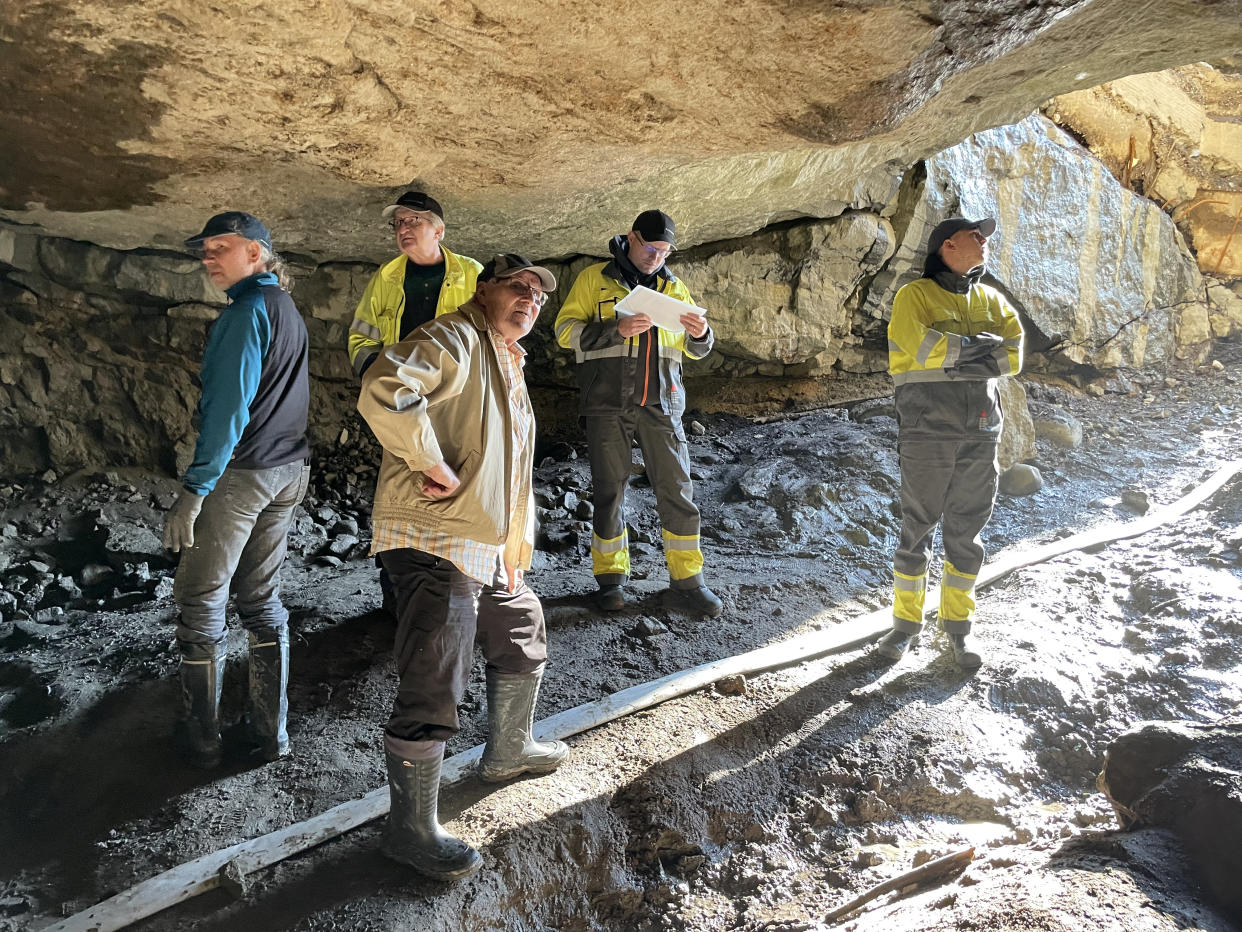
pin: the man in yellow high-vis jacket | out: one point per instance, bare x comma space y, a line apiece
425, 282
629, 374
422, 283
949, 340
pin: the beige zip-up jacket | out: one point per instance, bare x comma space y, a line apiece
439, 395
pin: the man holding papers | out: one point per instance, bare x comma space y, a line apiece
629, 374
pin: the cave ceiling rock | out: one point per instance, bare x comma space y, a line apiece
1089, 260
538, 125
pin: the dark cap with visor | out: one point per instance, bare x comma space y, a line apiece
508, 264
236, 223
954, 225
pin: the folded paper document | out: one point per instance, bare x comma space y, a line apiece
665, 312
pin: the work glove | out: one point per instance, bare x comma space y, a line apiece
179, 522
979, 346
985, 368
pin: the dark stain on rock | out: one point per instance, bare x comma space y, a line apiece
67, 111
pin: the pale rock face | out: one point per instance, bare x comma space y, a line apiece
1089, 261
1017, 441
1177, 137
786, 298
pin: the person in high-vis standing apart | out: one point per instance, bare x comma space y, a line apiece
629, 374
950, 338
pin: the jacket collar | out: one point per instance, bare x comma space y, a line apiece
394, 270
258, 280
621, 270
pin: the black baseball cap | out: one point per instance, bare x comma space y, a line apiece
953, 225
655, 226
236, 222
508, 264
415, 200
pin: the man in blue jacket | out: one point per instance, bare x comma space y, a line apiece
250, 470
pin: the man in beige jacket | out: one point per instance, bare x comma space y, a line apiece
454, 527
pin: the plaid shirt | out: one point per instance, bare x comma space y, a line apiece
484, 562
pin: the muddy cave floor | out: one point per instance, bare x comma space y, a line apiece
760, 806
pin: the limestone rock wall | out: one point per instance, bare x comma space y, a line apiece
100, 363
1176, 137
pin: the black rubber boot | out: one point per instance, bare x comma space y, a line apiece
511, 748
610, 598
202, 678
964, 652
702, 601
413, 835
893, 645
267, 703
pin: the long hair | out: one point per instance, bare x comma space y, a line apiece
276, 264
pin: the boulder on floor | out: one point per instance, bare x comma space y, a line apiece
1187, 778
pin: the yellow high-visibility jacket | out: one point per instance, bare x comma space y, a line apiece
607, 361
377, 321
937, 397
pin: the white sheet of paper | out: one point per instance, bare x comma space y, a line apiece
663, 310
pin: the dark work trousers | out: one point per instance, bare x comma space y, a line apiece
667, 458
440, 612
948, 482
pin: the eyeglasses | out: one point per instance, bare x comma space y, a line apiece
412, 222
651, 250
527, 291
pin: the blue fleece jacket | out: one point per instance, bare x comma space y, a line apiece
255, 385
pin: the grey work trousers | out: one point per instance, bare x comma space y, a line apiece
947, 482
610, 438
440, 613
239, 544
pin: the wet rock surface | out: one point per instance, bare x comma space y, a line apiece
759, 803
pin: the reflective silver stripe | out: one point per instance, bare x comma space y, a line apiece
361, 360
954, 581
692, 544
599, 545
367, 330
920, 375
669, 352
571, 324
910, 585
929, 343
612, 352
952, 351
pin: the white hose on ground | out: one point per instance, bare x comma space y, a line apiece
203, 874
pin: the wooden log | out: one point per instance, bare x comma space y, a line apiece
202, 874
938, 870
